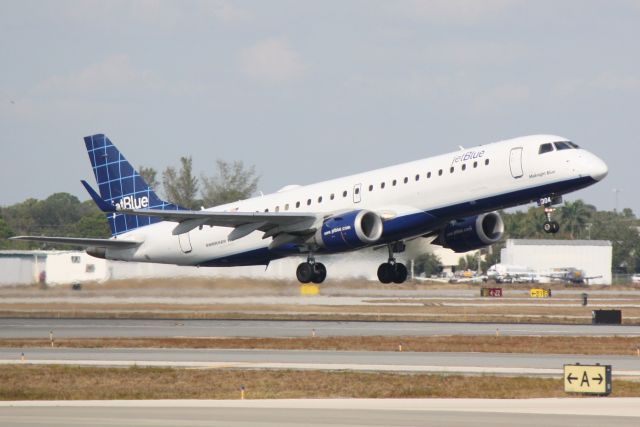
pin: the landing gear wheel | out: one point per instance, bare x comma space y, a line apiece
319, 273
385, 273
551, 227
399, 273
304, 272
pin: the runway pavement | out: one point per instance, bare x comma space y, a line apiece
468, 363
327, 412
136, 328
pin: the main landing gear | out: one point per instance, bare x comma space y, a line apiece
393, 271
311, 271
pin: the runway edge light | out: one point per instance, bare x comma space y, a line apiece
587, 379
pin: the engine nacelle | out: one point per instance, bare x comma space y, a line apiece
471, 233
349, 230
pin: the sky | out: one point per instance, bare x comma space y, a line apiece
308, 91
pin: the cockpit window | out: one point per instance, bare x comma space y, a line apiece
562, 145
573, 144
545, 148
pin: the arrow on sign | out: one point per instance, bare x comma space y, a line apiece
571, 378
598, 378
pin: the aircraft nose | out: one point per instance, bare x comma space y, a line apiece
598, 168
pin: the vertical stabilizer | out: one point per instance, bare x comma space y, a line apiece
120, 185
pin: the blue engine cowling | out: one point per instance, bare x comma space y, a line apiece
472, 233
349, 230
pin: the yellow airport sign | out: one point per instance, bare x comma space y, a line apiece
540, 293
587, 379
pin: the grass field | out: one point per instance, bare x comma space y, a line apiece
73, 383
493, 344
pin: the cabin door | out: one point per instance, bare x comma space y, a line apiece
357, 189
515, 162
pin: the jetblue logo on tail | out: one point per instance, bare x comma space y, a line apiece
129, 202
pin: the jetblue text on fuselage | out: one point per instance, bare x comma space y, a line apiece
129, 202
469, 155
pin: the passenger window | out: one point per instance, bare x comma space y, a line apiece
406, 179
308, 202
486, 162
451, 169
320, 199
333, 196
428, 174
464, 166
344, 193
545, 148
475, 164
417, 177
394, 182
440, 172
277, 208
266, 210
382, 185
370, 187
297, 204
562, 145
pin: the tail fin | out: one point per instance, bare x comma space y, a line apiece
121, 185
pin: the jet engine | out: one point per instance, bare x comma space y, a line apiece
349, 230
471, 233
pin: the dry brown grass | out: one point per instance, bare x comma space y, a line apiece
72, 383
485, 344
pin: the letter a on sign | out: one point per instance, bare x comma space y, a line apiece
585, 379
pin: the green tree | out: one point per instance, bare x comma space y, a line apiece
232, 182
574, 217
427, 264
150, 177
5, 233
181, 186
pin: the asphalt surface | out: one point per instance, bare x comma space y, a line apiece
134, 328
500, 363
336, 413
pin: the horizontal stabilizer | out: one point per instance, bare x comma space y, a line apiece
81, 241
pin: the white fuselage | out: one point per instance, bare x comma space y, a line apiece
446, 187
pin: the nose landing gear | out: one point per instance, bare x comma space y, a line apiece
393, 271
550, 226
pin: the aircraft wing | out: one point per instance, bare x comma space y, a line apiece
244, 223
80, 241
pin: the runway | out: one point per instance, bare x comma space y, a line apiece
152, 328
327, 412
466, 363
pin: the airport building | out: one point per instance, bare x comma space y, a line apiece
549, 258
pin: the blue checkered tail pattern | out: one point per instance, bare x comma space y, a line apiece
120, 185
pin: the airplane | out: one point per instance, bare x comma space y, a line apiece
570, 275
451, 199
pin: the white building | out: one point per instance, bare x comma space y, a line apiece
593, 257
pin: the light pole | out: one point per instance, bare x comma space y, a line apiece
617, 195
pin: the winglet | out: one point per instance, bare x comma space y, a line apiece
102, 204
